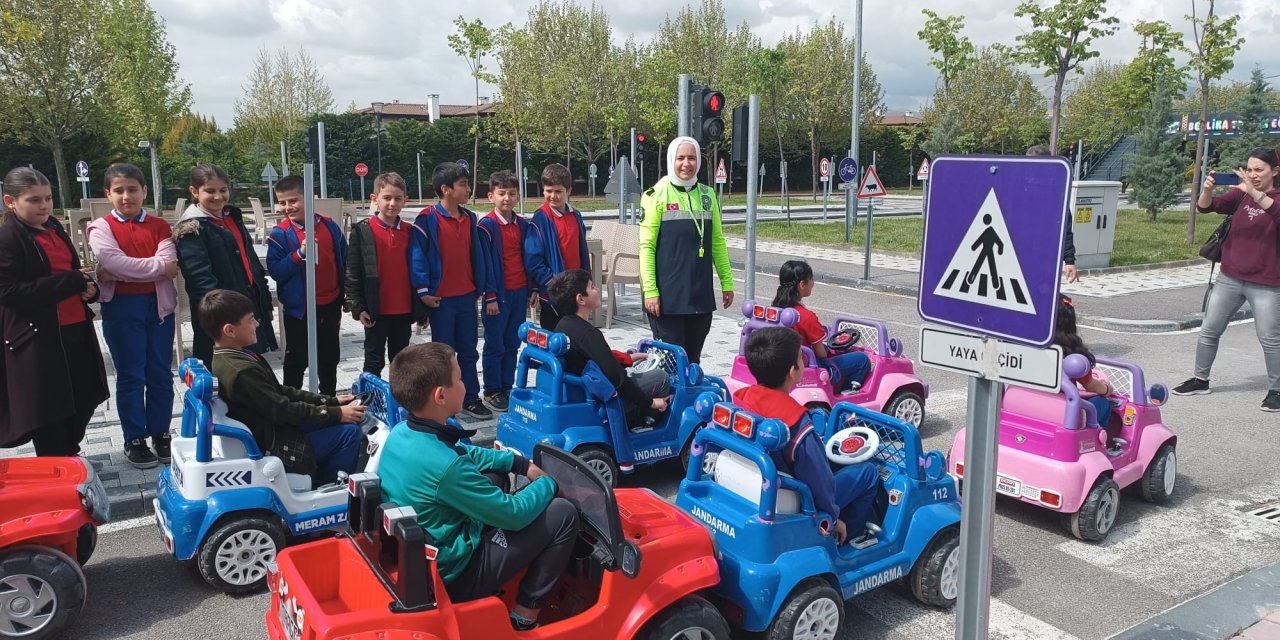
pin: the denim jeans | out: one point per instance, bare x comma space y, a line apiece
1228, 294
141, 346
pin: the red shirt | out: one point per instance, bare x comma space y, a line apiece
512, 253
71, 310
391, 242
810, 328
229, 224
138, 237
327, 290
454, 240
567, 230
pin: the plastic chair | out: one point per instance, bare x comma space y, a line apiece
259, 221
77, 227
98, 207
179, 207
603, 230
624, 265
181, 315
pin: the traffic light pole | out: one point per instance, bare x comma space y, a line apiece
753, 160
324, 174
633, 149
850, 194
682, 104
309, 266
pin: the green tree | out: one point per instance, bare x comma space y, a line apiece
995, 103
53, 73
282, 92
147, 96
1157, 170
953, 53
472, 43
1251, 109
1153, 67
1091, 112
944, 132
1060, 39
1216, 44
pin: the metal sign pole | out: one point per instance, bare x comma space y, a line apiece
324, 180
851, 200
519, 174
361, 188
871, 207
284, 160
977, 516
622, 190
309, 224
682, 104
753, 159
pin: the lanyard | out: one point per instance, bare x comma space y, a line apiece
699, 223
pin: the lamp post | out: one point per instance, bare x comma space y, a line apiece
155, 175
419, 175
377, 113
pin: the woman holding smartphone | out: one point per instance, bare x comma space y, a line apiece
1250, 269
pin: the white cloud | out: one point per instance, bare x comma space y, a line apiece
398, 50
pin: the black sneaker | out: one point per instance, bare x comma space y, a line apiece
523, 625
161, 445
476, 409
498, 401
139, 454
1194, 387
1271, 402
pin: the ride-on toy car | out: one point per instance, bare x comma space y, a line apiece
50, 509
892, 386
1053, 454
780, 570
224, 503
561, 409
637, 572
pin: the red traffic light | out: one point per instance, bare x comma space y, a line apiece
641, 138
714, 102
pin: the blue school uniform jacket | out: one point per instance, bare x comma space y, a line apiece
542, 257
290, 274
425, 265
491, 244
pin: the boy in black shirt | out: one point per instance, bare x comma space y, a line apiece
576, 296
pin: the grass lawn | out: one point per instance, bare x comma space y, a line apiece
1138, 239
739, 199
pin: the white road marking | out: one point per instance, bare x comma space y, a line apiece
123, 525
909, 619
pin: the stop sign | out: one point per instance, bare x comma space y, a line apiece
362, 169
824, 167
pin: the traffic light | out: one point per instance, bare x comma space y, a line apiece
1071, 152
313, 142
706, 123
741, 131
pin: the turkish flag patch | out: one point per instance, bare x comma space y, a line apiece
672, 206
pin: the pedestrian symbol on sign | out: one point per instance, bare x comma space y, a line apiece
985, 268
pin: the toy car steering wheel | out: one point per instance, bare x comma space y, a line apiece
843, 339
852, 445
656, 359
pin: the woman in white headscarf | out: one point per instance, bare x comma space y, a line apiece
680, 239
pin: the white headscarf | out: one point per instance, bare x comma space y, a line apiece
671, 161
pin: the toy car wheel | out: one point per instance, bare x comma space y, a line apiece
708, 459
690, 618
236, 552
814, 610
601, 462
41, 590
935, 580
86, 542
1098, 513
907, 407
1161, 475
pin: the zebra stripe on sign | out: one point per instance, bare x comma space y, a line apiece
228, 478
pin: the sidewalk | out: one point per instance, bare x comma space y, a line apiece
1247, 608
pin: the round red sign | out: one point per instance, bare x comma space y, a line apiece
362, 169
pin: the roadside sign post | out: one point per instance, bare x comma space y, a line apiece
722, 177
269, 176
922, 174
824, 171
786, 199
309, 227
591, 173
848, 172
753, 158
993, 231
82, 176
870, 187
362, 170
466, 166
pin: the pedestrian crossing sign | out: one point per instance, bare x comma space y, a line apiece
871, 186
992, 253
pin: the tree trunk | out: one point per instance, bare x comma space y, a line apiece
1196, 178
60, 166
1056, 113
814, 148
475, 154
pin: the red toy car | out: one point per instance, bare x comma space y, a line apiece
377, 579
50, 509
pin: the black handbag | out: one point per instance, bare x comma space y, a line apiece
1212, 248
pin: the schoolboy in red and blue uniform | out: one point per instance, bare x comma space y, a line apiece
286, 262
502, 237
774, 357
447, 270
558, 242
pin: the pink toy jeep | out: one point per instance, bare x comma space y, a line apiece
1055, 452
891, 388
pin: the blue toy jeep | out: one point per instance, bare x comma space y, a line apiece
780, 571
224, 503
577, 415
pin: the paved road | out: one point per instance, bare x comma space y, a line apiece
1045, 584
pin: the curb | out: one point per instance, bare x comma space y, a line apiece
1126, 325
1220, 613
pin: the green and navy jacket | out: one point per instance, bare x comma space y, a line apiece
671, 267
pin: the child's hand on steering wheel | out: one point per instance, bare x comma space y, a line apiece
345, 398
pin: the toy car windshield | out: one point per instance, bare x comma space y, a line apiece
596, 505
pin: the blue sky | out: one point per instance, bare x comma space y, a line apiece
397, 50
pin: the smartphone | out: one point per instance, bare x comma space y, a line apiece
1225, 178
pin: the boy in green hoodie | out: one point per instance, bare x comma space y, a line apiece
485, 536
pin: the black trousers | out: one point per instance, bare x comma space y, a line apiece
544, 547
382, 341
688, 330
547, 315
62, 437
328, 321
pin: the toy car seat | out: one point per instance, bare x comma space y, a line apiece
742, 477
229, 448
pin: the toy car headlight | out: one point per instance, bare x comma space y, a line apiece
1158, 394
93, 496
895, 347
771, 434
630, 563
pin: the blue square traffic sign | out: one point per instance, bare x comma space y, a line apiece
993, 229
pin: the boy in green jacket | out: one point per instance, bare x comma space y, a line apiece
485, 537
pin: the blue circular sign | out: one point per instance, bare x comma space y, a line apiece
82, 169
466, 166
848, 170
